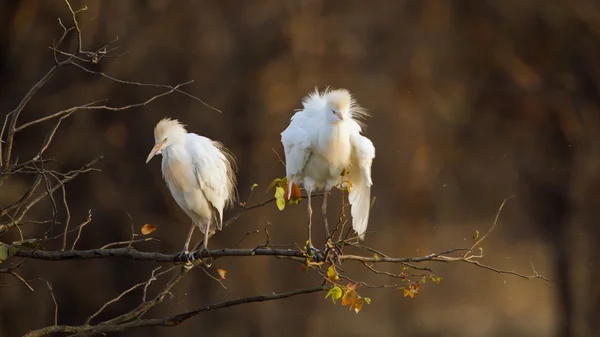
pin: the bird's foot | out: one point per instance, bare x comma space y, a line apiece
201, 255
313, 252
185, 256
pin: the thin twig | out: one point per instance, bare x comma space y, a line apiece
66, 230
21, 279
80, 228
53, 300
99, 311
128, 242
114, 79
494, 225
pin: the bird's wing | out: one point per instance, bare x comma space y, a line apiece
296, 140
359, 175
214, 169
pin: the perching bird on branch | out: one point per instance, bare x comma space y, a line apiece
200, 174
322, 141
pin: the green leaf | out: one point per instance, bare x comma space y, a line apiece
12, 250
273, 183
3, 252
335, 293
253, 187
279, 197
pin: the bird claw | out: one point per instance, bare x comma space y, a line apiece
185, 256
196, 256
313, 252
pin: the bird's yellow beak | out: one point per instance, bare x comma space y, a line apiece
155, 149
340, 116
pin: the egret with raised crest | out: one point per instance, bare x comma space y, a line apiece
322, 141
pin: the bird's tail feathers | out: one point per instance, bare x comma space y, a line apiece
360, 201
232, 169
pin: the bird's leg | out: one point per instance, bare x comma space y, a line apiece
205, 241
310, 249
185, 252
206, 235
189, 238
309, 221
324, 210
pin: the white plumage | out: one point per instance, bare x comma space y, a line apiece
199, 172
321, 141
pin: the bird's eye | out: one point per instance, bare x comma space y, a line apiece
333, 111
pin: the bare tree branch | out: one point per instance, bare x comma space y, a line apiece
106, 327
15, 115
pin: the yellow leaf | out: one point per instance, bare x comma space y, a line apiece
222, 273
273, 183
331, 274
358, 305
253, 187
435, 279
280, 198
335, 293
147, 229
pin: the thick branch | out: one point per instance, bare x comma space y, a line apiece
133, 254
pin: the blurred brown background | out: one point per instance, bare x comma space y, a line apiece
472, 101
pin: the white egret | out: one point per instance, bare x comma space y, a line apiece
322, 141
200, 174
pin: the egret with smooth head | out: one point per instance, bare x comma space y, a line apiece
200, 174
322, 141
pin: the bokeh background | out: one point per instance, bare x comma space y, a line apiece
472, 101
